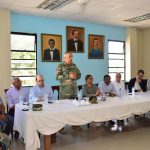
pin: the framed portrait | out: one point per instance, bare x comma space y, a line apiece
51, 47
96, 47
75, 39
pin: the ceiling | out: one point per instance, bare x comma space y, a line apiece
112, 12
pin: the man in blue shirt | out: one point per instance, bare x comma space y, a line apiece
40, 91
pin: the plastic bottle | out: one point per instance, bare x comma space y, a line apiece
20, 99
46, 99
133, 91
119, 92
80, 95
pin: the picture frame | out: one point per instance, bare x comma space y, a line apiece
51, 47
96, 46
75, 39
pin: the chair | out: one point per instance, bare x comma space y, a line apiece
126, 85
56, 88
79, 87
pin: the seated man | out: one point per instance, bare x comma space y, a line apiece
138, 83
106, 87
15, 94
40, 90
118, 84
90, 89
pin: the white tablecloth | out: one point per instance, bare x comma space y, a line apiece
57, 115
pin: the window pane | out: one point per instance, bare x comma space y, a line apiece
23, 72
27, 81
22, 42
116, 69
116, 63
23, 55
115, 47
115, 56
23, 64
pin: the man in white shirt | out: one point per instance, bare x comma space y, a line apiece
40, 91
118, 84
106, 87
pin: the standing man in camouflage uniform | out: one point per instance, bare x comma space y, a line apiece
68, 74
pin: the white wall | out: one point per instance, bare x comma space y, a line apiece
5, 58
137, 52
146, 52
131, 53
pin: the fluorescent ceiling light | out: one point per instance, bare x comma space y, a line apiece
54, 4
139, 18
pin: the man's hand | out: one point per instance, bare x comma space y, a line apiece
112, 94
40, 99
97, 93
72, 75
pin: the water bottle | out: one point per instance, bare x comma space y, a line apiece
133, 91
30, 101
20, 99
46, 99
119, 92
80, 95
127, 92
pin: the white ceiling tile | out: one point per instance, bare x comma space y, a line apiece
95, 11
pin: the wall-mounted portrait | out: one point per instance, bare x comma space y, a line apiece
96, 47
51, 47
75, 39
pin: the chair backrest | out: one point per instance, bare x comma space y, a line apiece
56, 88
5, 90
126, 85
79, 87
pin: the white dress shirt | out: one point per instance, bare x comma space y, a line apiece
119, 85
104, 88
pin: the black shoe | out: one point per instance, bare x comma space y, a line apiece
120, 122
112, 123
16, 135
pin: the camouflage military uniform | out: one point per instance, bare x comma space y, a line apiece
4, 139
68, 87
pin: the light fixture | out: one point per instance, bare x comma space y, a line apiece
54, 4
139, 18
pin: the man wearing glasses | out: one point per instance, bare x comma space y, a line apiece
40, 90
138, 83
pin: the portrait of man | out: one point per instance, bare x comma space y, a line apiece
96, 47
75, 39
51, 48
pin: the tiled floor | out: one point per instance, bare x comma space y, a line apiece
135, 136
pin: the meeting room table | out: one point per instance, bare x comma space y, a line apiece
60, 113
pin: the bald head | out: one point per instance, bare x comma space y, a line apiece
68, 57
118, 77
40, 80
16, 82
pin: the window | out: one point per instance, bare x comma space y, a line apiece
116, 58
23, 57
